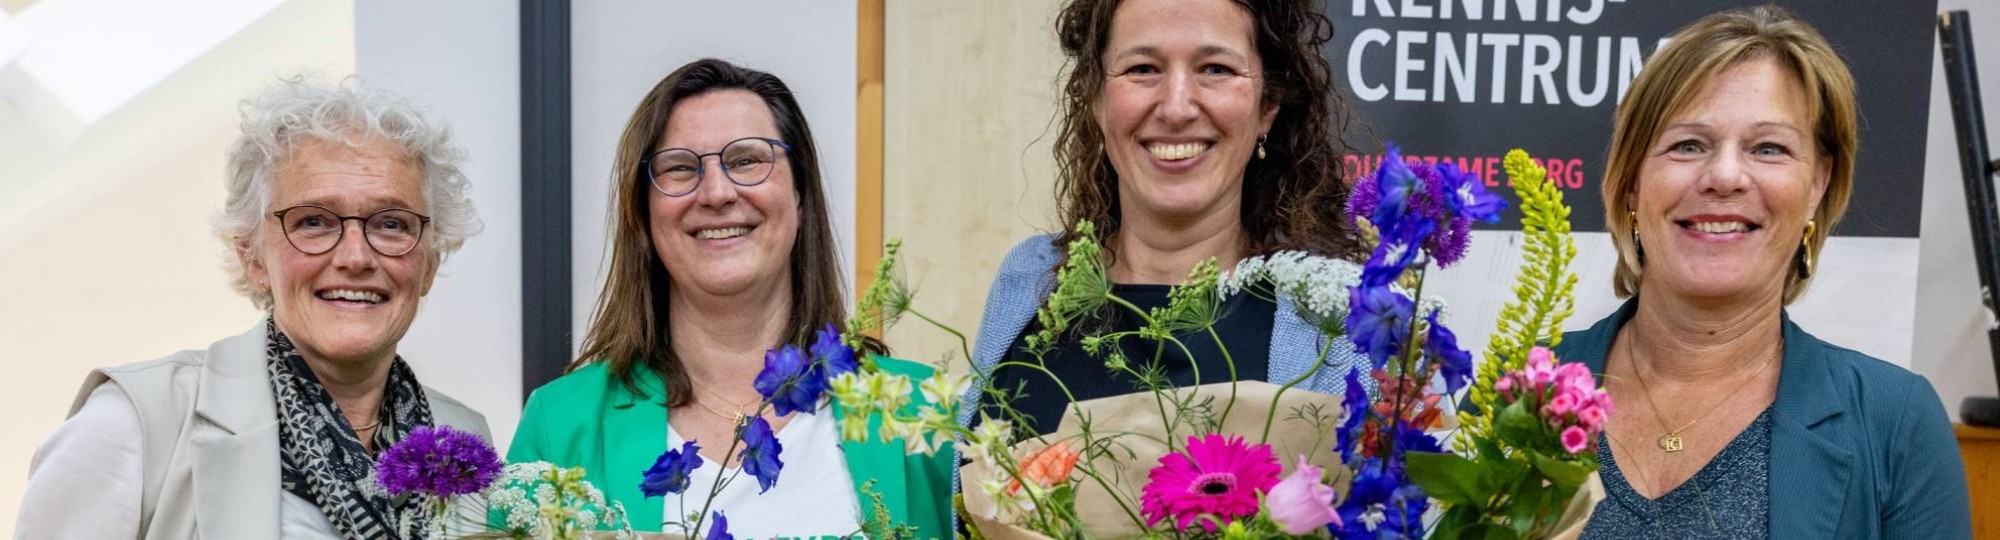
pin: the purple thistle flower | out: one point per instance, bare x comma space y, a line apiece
1448, 245
720, 531
440, 462
760, 453
1378, 320
1453, 362
669, 474
787, 381
831, 357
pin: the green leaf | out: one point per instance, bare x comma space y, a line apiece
1449, 477
1566, 475
1516, 424
1527, 501
1490, 531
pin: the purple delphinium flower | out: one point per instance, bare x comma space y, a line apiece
760, 453
1395, 187
719, 531
1355, 402
669, 474
1378, 320
831, 357
440, 462
788, 382
1380, 485
1454, 363
1395, 253
1467, 195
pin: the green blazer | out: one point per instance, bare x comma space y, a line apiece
590, 419
1860, 448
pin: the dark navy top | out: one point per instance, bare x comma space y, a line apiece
1728, 498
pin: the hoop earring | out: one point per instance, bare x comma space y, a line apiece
1260, 146
1805, 256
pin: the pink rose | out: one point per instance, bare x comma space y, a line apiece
1575, 440
1301, 504
1561, 405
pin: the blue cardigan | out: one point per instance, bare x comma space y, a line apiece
1860, 448
1028, 275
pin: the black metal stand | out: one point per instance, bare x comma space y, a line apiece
1962, 76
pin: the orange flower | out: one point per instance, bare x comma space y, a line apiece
1047, 467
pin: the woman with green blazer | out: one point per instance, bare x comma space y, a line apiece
714, 263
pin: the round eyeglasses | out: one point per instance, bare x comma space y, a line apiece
314, 230
747, 162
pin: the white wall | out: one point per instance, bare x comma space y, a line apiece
1951, 347
620, 49
462, 59
106, 254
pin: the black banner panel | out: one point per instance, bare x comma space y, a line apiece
1467, 80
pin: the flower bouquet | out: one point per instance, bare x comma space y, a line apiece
1202, 461
464, 492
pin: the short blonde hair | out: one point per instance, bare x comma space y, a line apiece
1677, 73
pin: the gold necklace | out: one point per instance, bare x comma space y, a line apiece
735, 417
1671, 441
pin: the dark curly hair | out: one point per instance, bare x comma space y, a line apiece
1292, 199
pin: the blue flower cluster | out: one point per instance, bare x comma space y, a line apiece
790, 382
1416, 209
1420, 209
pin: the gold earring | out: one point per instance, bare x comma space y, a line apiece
1632, 217
1260, 146
1805, 250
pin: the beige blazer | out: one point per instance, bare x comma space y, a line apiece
210, 425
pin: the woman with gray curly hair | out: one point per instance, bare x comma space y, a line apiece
273, 433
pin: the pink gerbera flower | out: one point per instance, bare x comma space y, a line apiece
1215, 476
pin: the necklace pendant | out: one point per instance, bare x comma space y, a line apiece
1671, 442
739, 419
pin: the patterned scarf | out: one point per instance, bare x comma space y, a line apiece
323, 460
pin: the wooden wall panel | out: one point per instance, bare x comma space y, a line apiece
969, 98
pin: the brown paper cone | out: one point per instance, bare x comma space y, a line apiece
1577, 514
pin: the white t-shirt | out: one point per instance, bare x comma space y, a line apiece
813, 499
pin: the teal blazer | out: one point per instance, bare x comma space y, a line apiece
1860, 448
590, 419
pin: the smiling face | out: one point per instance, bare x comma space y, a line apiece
723, 239
1181, 109
351, 303
1726, 189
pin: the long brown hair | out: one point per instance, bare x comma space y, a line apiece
1292, 199
629, 329
1676, 75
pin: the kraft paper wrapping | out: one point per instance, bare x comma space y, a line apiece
1132, 423
1135, 421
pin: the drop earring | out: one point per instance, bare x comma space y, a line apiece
1260, 146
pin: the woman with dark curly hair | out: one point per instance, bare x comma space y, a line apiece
1191, 130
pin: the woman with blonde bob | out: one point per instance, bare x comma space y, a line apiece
1731, 159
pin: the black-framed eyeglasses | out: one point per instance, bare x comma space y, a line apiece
314, 229
747, 162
